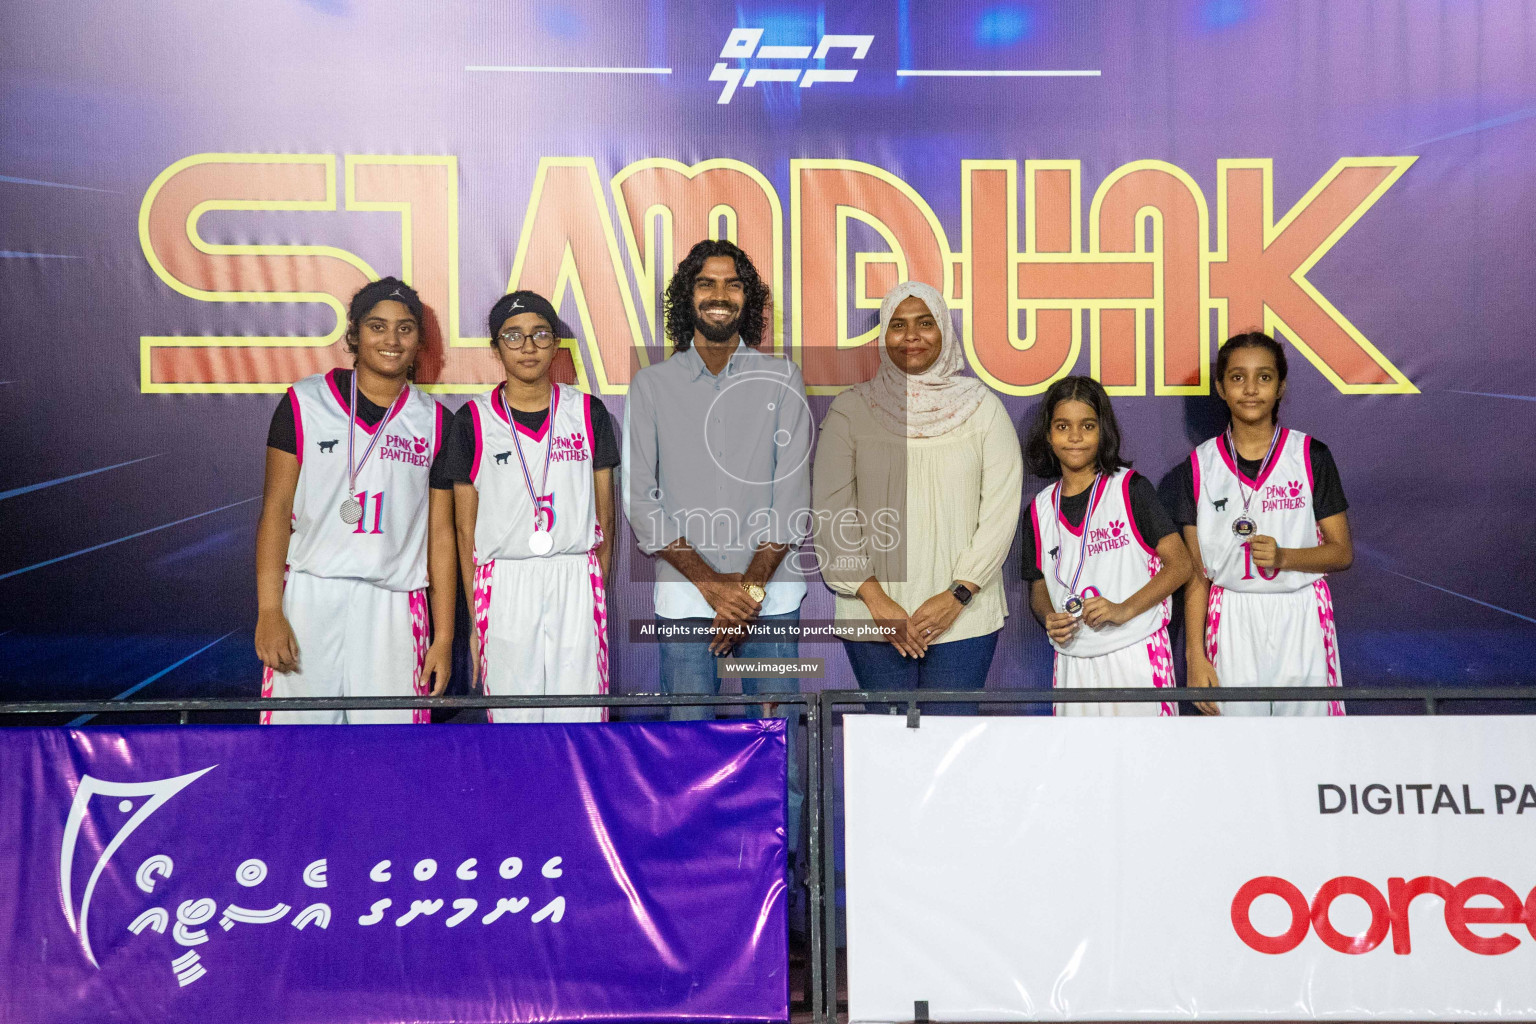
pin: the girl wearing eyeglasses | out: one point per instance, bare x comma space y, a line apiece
532, 464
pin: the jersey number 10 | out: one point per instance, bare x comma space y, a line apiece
1248, 565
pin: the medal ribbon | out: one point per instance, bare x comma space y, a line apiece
549, 448
354, 471
1082, 550
1246, 495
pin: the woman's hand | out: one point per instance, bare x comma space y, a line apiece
1061, 627
1202, 673
934, 616
886, 612
1099, 612
437, 666
276, 645
1266, 552
475, 682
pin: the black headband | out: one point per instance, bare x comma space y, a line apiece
517, 303
382, 290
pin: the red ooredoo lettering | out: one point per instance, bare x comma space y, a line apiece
1389, 913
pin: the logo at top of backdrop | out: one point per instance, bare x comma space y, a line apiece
741, 44
1146, 285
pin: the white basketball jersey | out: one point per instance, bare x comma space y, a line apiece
567, 506
1118, 562
388, 545
1280, 502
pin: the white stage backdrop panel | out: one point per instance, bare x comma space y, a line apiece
1230, 869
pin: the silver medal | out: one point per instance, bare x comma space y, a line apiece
1074, 605
539, 541
1244, 526
352, 509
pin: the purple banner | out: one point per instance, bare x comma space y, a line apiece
538, 872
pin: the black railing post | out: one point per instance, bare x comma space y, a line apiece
813, 839
828, 860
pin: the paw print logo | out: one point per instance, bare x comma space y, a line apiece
1115, 528
420, 444
1293, 488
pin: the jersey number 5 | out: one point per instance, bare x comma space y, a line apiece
363, 498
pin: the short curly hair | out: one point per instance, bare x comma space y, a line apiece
679, 297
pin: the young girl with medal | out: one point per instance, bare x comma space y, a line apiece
356, 535
1101, 553
1263, 511
532, 464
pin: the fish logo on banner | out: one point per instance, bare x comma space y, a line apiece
190, 922
158, 792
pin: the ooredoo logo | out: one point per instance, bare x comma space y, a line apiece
1389, 913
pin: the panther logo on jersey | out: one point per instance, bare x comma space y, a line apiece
1107, 538
1219, 504
327, 446
502, 457
411, 450
1283, 496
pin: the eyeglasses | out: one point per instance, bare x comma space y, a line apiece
542, 338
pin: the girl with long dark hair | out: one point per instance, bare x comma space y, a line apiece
1101, 554
1263, 512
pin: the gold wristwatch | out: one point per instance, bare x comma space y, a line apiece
755, 591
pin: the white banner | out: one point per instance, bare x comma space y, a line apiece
1228, 869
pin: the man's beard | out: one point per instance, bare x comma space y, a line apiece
716, 332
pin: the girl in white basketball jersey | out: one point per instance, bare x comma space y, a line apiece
356, 535
1263, 511
532, 464
1101, 553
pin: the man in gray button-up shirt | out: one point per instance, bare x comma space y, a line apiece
717, 478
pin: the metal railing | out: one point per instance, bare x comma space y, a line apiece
820, 711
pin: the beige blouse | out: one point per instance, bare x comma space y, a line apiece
917, 513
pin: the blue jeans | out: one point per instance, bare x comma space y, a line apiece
689, 667
957, 665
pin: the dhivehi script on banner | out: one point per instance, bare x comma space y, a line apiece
1227, 869
630, 872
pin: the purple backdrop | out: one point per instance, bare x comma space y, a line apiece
125, 565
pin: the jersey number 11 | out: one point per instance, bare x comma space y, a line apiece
378, 512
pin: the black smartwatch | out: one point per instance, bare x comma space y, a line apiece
962, 593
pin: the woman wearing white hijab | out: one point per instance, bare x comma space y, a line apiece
917, 491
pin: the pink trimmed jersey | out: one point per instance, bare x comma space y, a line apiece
567, 505
1279, 502
1119, 562
388, 546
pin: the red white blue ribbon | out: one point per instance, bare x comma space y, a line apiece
1082, 550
